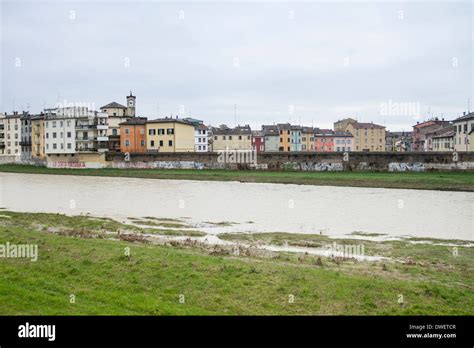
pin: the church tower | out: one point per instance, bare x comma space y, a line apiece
131, 105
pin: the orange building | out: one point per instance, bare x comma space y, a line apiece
133, 135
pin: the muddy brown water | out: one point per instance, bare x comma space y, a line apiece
248, 207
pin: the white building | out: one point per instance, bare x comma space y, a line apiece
74, 130
201, 138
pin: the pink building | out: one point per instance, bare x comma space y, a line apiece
324, 140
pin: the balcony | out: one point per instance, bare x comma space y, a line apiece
104, 138
25, 143
102, 126
85, 126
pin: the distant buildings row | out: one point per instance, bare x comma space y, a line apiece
69, 131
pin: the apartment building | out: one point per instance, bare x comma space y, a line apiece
443, 139
201, 134
324, 140
37, 137
25, 135
367, 136
464, 132
420, 143
307, 138
133, 135
343, 141
398, 141
2, 133
72, 130
284, 129
238, 138
117, 114
272, 137
258, 141
170, 135
11, 134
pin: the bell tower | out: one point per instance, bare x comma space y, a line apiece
131, 105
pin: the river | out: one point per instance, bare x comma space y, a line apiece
248, 207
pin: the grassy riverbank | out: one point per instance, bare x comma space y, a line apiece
455, 181
84, 257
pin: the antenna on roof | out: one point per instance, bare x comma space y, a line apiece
235, 115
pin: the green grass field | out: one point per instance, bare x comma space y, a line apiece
77, 256
455, 181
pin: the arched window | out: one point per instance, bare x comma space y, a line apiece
114, 132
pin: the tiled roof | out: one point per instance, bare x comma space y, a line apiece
465, 117
113, 105
237, 130
360, 125
168, 120
343, 134
135, 121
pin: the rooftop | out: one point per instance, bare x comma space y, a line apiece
113, 105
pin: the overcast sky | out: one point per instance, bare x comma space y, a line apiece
307, 63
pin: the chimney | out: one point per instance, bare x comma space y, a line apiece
464, 113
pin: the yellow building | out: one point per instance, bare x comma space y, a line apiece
238, 138
284, 129
367, 136
169, 135
37, 137
307, 139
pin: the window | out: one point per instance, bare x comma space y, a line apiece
68, 123
152, 132
142, 131
152, 143
68, 134
61, 124
161, 142
161, 131
47, 135
69, 145
230, 137
127, 143
170, 142
215, 137
114, 132
127, 131
142, 142
54, 124
62, 146
54, 135
54, 146
223, 137
240, 137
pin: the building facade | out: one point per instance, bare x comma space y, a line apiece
37, 137
367, 136
238, 138
25, 142
118, 114
343, 142
443, 139
258, 141
307, 138
74, 130
133, 135
201, 134
324, 140
170, 135
463, 128
12, 134
272, 138
420, 130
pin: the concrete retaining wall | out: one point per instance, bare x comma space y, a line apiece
308, 161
